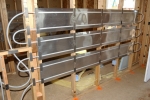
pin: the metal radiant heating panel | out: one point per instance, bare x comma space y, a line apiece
51, 46
113, 35
61, 44
56, 45
86, 40
111, 17
88, 18
58, 68
65, 66
87, 60
50, 19
127, 33
110, 36
109, 54
125, 49
129, 16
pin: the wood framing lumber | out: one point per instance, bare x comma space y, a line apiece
19, 50
4, 75
120, 6
139, 7
73, 81
121, 3
84, 3
38, 89
101, 4
145, 35
4, 19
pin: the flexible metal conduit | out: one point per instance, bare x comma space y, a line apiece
20, 61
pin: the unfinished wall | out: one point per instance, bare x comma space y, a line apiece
10, 4
55, 3
80, 3
90, 4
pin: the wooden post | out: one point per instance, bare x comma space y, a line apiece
61, 3
139, 7
101, 4
73, 82
116, 66
97, 73
47, 3
4, 74
84, 3
120, 6
145, 37
121, 3
38, 89
97, 68
131, 56
4, 19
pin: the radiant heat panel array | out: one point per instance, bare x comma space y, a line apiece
52, 20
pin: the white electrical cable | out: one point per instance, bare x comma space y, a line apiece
1, 84
25, 91
15, 35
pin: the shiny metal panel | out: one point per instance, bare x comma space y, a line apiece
109, 54
127, 33
50, 19
85, 40
56, 45
125, 49
57, 68
110, 36
88, 18
129, 16
87, 60
112, 17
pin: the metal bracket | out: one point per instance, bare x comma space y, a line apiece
41, 67
32, 69
12, 51
29, 42
26, 12
28, 30
31, 57
42, 80
7, 87
39, 41
34, 83
40, 55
